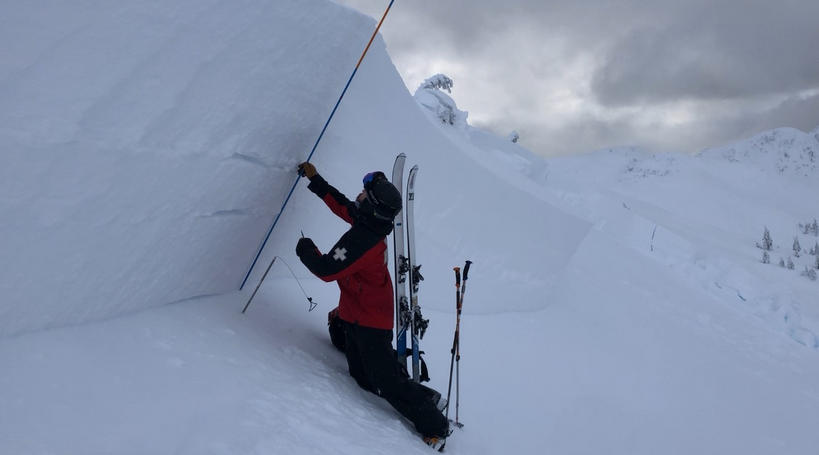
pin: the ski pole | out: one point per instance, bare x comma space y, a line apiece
458, 347
293, 188
455, 339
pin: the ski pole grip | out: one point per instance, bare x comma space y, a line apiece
466, 269
457, 276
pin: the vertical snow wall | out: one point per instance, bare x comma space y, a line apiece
146, 146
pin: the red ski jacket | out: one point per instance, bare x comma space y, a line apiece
357, 262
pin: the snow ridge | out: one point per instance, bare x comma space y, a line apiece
787, 151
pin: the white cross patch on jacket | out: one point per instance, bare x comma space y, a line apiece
340, 254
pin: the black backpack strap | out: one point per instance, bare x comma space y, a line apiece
424, 377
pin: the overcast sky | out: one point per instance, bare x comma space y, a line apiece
577, 76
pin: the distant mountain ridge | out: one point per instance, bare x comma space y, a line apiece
785, 150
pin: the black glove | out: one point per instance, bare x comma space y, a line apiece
305, 244
307, 170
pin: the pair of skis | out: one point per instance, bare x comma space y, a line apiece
408, 319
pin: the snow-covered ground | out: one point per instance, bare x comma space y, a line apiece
617, 303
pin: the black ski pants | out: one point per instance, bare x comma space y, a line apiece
373, 365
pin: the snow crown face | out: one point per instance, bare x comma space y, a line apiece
382, 195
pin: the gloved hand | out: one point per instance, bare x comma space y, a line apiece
305, 244
307, 170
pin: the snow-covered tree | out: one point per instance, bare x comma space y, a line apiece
815, 250
767, 243
790, 264
446, 113
438, 82
766, 258
814, 228
816, 262
430, 96
796, 247
514, 136
810, 273
782, 263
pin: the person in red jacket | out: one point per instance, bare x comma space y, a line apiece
358, 262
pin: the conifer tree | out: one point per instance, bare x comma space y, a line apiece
790, 264
766, 258
796, 247
438, 82
767, 242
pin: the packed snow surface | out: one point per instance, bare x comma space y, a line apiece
618, 302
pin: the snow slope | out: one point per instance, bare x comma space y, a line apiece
617, 303
702, 216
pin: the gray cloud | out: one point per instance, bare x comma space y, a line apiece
797, 112
709, 60
578, 76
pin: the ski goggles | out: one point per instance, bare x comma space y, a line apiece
377, 175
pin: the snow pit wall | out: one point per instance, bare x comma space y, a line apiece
145, 147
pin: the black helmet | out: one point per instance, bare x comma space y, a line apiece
383, 196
